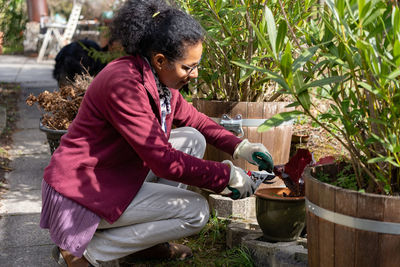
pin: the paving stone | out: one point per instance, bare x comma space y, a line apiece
25, 75
29, 256
277, 254
10, 73
17, 202
236, 230
22, 231
29, 141
27, 171
13, 59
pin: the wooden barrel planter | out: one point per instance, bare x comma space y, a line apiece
276, 140
348, 228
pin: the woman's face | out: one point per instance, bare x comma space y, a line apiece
177, 73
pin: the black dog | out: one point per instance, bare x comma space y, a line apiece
74, 59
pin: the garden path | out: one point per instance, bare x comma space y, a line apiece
22, 242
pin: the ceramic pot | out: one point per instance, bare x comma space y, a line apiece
280, 218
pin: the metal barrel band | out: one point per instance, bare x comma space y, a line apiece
235, 124
353, 222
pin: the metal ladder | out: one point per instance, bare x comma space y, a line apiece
69, 30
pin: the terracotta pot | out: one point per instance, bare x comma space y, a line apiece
276, 140
280, 218
348, 228
36, 9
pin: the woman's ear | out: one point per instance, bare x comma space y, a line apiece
158, 61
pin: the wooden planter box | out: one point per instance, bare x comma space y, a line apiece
276, 140
347, 228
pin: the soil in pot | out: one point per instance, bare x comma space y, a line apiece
280, 217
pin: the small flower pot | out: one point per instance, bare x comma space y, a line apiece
53, 136
280, 217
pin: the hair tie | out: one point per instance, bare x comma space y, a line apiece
155, 14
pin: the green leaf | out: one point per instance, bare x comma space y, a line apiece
394, 74
280, 39
372, 17
271, 27
245, 75
261, 39
361, 4
391, 160
293, 104
340, 4
396, 20
286, 62
369, 88
396, 52
304, 57
325, 81
278, 119
218, 5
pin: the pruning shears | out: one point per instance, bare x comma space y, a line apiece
258, 177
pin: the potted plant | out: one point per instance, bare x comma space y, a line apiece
351, 60
226, 88
59, 108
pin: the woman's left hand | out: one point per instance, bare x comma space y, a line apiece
255, 153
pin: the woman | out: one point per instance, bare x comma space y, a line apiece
102, 195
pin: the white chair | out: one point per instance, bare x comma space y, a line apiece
53, 31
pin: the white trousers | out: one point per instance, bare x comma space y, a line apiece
160, 212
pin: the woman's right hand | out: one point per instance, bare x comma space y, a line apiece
240, 182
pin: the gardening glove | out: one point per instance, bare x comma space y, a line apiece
256, 154
240, 184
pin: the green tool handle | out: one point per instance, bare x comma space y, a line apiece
235, 193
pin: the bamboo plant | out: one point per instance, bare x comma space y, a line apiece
351, 58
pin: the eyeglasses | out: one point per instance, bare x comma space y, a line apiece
189, 69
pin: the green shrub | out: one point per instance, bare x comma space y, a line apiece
13, 17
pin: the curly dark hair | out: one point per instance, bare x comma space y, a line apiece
153, 26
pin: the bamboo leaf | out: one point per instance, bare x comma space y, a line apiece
391, 160
361, 4
304, 57
286, 62
280, 39
261, 39
396, 52
278, 119
218, 5
396, 20
271, 27
369, 88
340, 5
325, 81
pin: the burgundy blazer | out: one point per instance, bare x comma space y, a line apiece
116, 138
